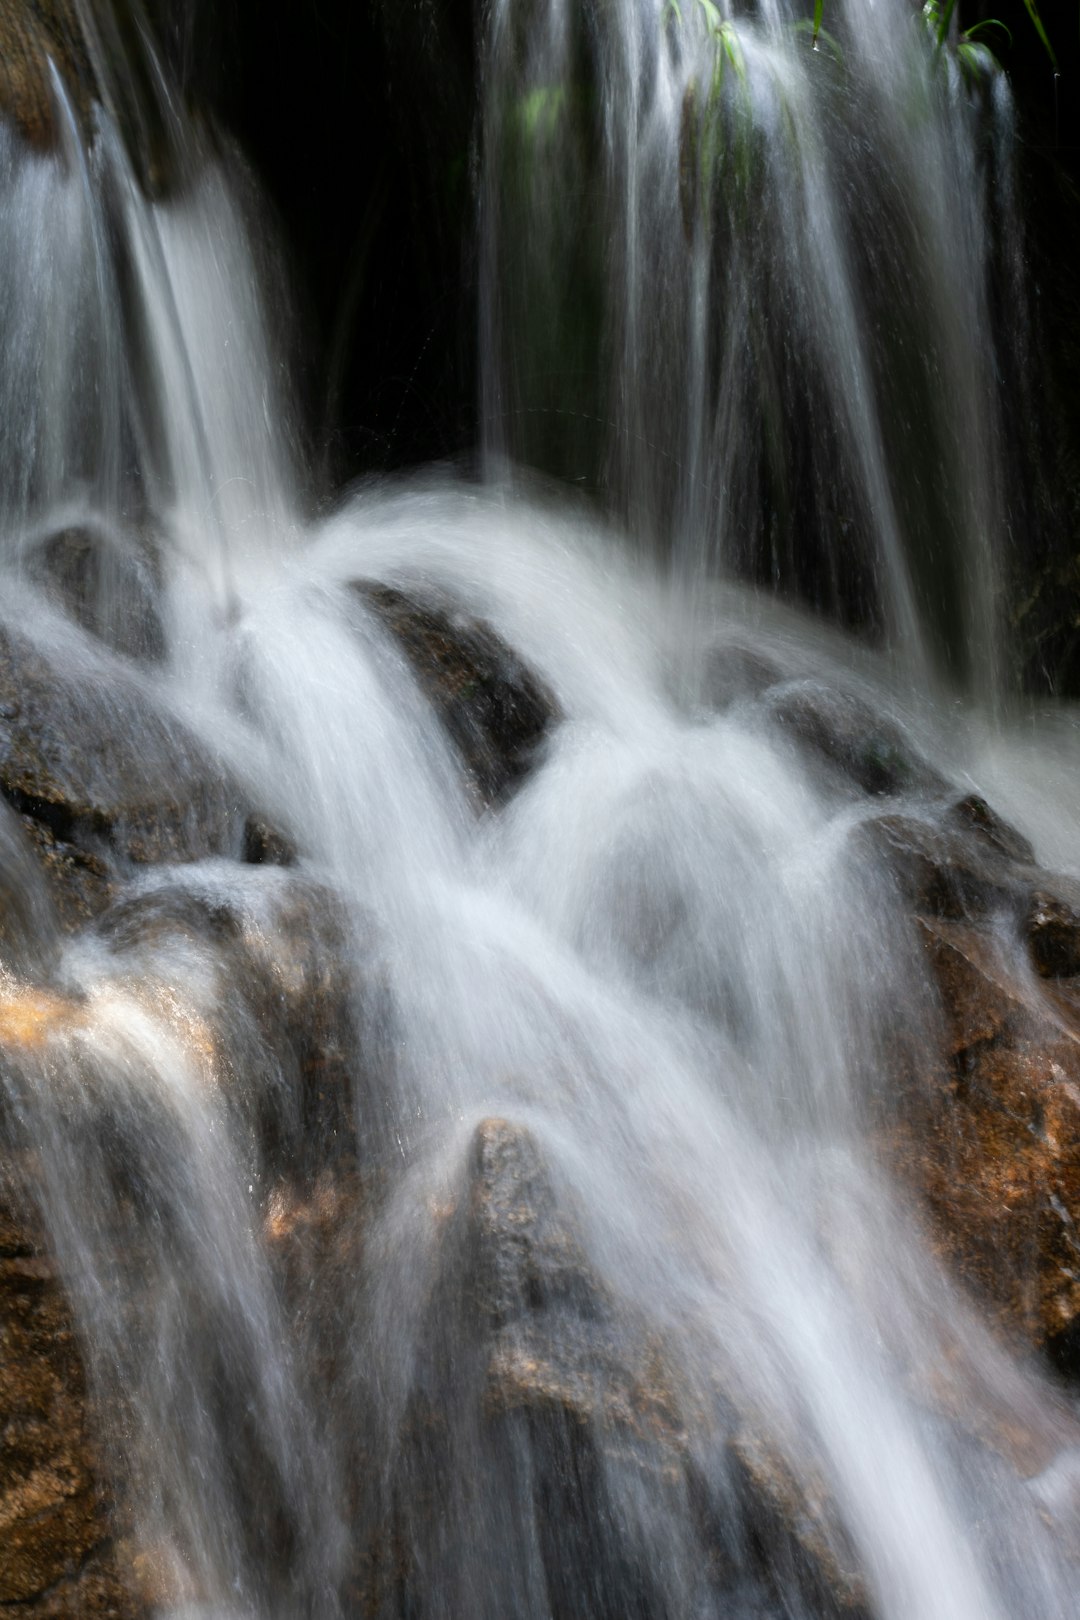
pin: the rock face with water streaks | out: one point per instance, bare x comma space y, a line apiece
990, 1136
564, 1383
32, 37
495, 710
99, 792
987, 1129
103, 779
56, 1552
580, 1399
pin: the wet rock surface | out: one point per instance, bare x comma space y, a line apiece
274, 1044
59, 61
106, 587
566, 1390
845, 734
56, 1552
942, 870
1052, 926
992, 1138
496, 711
575, 1396
104, 779
986, 1130
33, 35
281, 1026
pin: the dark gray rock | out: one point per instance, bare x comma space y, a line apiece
496, 711
106, 587
941, 871
1052, 926
841, 731
108, 780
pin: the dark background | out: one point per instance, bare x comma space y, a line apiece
360, 121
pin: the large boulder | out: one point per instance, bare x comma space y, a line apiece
990, 1135
985, 1127
848, 740
495, 710
104, 779
585, 1422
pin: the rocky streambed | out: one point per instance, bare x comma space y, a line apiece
104, 839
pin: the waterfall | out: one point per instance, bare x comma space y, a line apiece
744, 284
467, 1158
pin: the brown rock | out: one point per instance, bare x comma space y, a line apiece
55, 1551
992, 1138
1053, 927
98, 55
31, 35
495, 710
103, 778
940, 871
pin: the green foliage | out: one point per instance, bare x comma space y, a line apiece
538, 112
728, 48
819, 36
976, 57
976, 61
703, 141
1033, 12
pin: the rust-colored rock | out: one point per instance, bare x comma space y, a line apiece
56, 1555
33, 35
991, 1136
59, 60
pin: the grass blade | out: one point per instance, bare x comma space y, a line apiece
1033, 12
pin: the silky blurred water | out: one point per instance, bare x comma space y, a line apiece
667, 955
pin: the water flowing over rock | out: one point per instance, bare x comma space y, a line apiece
539, 1073
493, 707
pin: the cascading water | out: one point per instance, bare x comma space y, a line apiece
484, 1214
765, 306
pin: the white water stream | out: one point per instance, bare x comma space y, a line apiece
663, 955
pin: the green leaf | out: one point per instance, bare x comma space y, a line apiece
712, 16
1033, 13
832, 46
976, 29
976, 61
819, 6
944, 19
675, 10
729, 41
